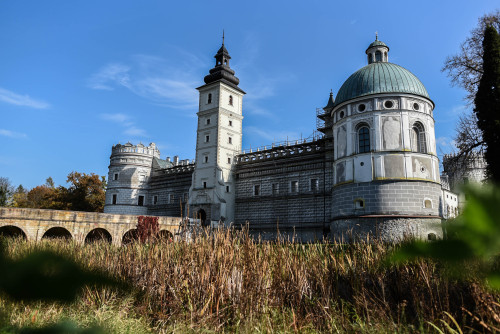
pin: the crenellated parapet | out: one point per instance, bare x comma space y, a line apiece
129, 148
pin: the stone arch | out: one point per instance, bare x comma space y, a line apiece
98, 234
130, 236
57, 232
12, 232
166, 236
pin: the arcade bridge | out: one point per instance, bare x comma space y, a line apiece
83, 227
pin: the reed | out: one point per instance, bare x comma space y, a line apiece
228, 281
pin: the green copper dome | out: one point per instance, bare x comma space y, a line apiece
377, 43
377, 78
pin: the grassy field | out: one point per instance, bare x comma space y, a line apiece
231, 283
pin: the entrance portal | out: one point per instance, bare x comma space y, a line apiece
202, 216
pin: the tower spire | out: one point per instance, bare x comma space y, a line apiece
222, 37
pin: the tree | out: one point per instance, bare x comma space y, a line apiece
466, 68
487, 102
6, 191
43, 197
49, 182
20, 197
87, 192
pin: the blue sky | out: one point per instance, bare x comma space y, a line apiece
77, 77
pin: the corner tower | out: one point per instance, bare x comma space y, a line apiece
219, 135
386, 171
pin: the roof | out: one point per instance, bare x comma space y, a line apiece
377, 43
377, 78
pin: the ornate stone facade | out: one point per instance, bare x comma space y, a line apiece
374, 169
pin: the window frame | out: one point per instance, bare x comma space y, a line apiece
363, 143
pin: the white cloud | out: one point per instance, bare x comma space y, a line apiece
126, 121
110, 75
21, 100
117, 118
272, 136
166, 82
12, 134
134, 131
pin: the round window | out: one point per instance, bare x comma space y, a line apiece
341, 114
361, 107
416, 106
388, 104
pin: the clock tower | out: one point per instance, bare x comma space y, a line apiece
219, 134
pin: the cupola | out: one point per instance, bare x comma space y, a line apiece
222, 71
377, 52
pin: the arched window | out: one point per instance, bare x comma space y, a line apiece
418, 143
210, 98
363, 139
378, 56
230, 100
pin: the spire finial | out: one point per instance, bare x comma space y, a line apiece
222, 36
376, 36
331, 91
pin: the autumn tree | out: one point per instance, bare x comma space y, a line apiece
20, 197
87, 192
487, 102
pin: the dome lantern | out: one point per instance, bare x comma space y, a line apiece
377, 51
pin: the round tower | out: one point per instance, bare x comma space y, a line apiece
386, 172
129, 170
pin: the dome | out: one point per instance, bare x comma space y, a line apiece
377, 43
377, 78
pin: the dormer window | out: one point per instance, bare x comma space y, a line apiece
230, 100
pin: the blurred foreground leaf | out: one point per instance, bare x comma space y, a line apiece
474, 235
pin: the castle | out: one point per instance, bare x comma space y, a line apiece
373, 169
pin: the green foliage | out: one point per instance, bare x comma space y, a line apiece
86, 192
473, 236
48, 277
487, 102
6, 191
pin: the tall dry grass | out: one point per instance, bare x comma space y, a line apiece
228, 281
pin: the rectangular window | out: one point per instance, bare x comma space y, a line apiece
114, 198
256, 189
314, 185
205, 158
170, 198
294, 186
207, 139
230, 140
155, 199
230, 123
115, 177
227, 189
208, 121
205, 184
275, 188
140, 202
228, 160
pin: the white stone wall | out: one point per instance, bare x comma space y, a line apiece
224, 142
